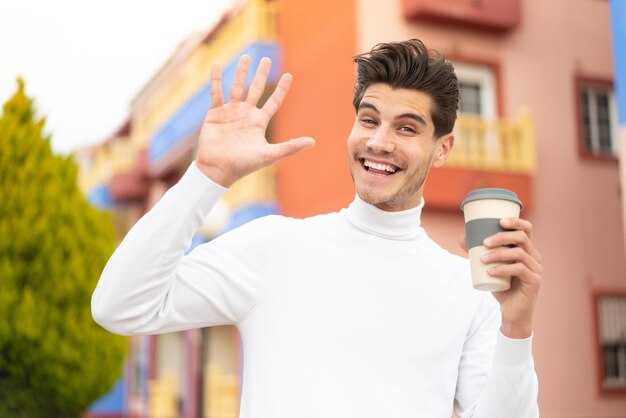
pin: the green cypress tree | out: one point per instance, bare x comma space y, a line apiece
54, 360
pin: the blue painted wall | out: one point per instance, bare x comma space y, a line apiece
113, 402
100, 197
189, 118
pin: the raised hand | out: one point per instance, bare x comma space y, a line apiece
232, 141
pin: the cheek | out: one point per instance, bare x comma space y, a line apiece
421, 157
425, 151
354, 139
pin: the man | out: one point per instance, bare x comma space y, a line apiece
350, 314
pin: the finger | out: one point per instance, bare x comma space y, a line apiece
257, 88
276, 152
217, 96
517, 238
237, 89
511, 255
519, 270
278, 96
517, 224
510, 238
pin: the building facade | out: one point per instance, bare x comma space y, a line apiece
537, 116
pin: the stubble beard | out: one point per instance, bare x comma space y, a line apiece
404, 194
397, 198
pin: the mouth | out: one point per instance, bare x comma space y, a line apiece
381, 169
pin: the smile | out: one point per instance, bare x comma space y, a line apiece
379, 168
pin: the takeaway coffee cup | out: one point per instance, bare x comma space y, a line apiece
483, 209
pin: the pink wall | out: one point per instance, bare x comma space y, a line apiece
577, 211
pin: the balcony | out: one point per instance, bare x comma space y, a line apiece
486, 15
221, 393
129, 181
170, 108
162, 396
259, 186
486, 154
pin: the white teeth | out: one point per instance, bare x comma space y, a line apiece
378, 166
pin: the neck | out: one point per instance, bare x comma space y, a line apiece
400, 225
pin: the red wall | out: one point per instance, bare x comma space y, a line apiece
318, 39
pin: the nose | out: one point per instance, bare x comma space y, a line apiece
381, 140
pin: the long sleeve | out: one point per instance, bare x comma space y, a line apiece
148, 286
496, 373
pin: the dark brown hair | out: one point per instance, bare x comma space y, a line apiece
411, 65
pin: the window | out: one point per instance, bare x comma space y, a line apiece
476, 138
598, 119
611, 324
477, 89
470, 98
140, 354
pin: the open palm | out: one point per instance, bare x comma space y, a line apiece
232, 141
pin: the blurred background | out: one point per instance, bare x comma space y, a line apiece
540, 114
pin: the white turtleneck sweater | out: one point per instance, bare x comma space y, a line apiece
350, 314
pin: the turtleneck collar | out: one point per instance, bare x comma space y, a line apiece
402, 225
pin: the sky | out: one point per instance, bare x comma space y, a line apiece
84, 61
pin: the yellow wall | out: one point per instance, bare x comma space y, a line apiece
253, 23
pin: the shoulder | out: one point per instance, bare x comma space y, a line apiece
261, 226
444, 257
480, 307
454, 272
280, 226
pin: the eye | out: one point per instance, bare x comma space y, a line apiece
407, 129
368, 121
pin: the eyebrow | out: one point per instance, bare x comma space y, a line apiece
418, 118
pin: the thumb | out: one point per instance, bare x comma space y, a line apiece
288, 148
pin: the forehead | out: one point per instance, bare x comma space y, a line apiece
397, 101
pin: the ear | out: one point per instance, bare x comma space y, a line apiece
443, 148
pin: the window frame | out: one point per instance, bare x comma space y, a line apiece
484, 78
580, 82
599, 363
491, 65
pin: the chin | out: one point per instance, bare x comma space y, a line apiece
372, 198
